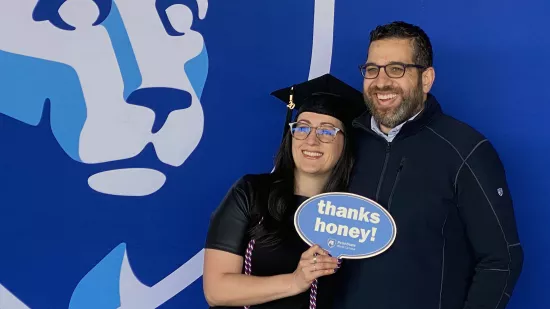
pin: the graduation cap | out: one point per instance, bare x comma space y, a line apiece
323, 95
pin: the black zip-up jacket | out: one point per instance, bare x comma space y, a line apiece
457, 246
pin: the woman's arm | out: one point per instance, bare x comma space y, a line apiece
223, 281
225, 285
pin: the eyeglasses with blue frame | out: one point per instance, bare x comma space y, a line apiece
325, 133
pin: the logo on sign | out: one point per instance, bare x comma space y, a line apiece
352, 226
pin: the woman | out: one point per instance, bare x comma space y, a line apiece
254, 256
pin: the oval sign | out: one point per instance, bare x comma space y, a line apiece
346, 225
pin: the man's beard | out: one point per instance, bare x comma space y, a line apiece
391, 118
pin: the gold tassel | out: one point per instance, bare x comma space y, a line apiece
291, 104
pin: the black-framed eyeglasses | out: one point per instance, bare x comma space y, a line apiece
393, 70
324, 133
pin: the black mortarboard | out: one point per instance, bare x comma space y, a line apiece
324, 95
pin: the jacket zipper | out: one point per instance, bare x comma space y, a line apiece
388, 148
401, 165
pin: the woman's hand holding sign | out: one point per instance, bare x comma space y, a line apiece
314, 263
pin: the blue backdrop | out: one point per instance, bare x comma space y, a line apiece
123, 123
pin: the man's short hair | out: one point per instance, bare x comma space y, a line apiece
422, 47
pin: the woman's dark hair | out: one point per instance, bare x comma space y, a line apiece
281, 200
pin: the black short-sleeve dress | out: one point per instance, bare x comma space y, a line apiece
228, 231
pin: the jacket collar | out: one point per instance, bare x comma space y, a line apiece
431, 109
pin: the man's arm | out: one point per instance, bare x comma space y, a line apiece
485, 205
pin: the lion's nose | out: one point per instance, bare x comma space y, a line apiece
162, 101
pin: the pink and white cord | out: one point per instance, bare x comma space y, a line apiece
248, 271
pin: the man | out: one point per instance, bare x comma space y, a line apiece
443, 183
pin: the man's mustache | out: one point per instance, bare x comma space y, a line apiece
376, 89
